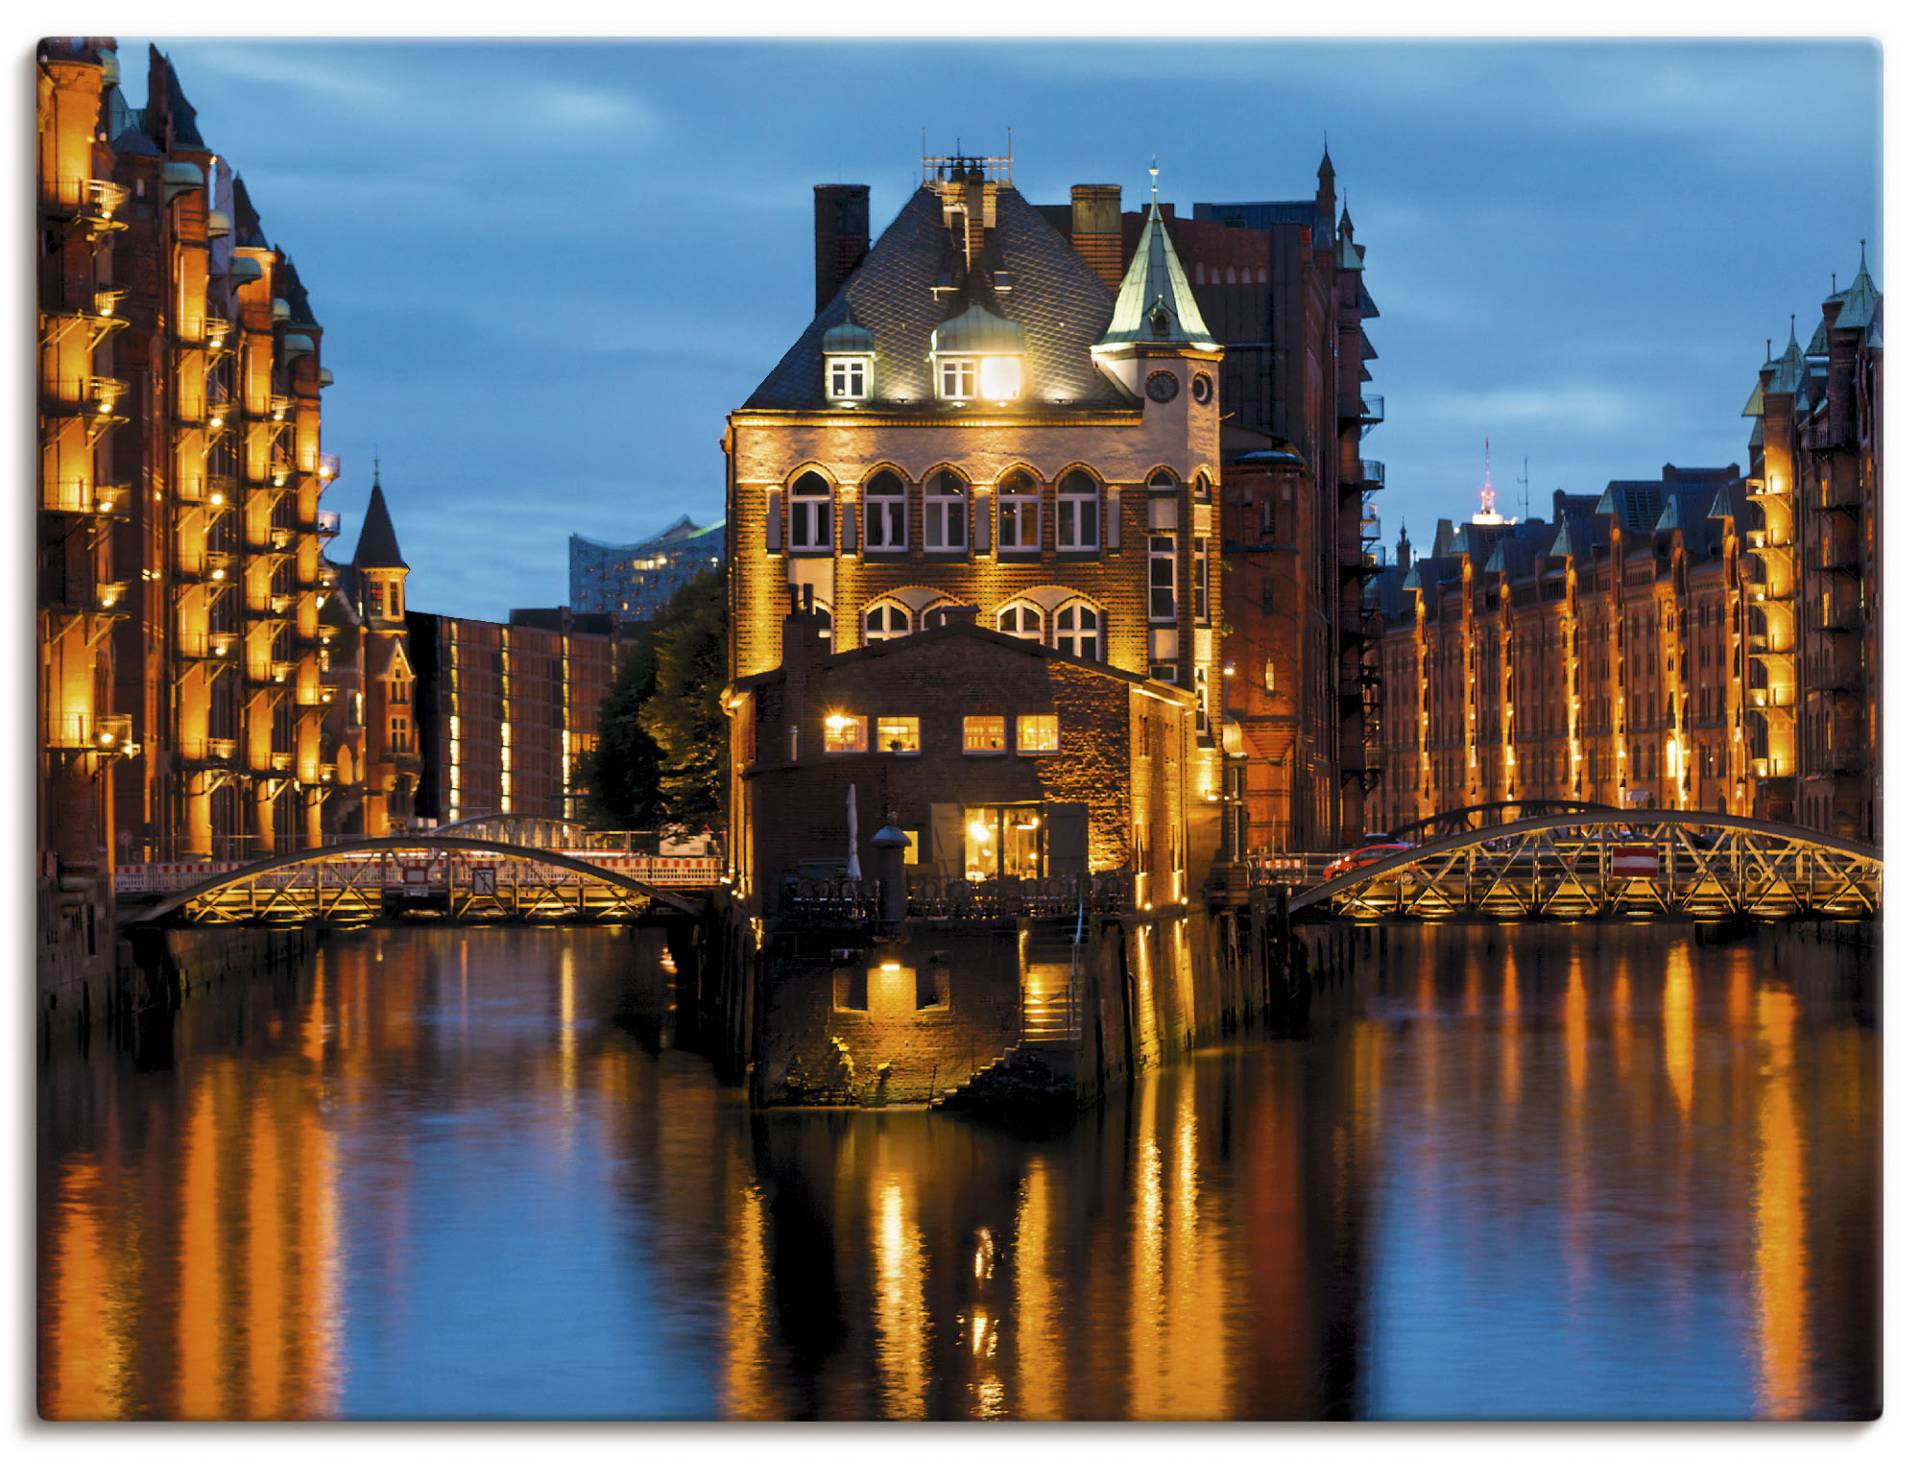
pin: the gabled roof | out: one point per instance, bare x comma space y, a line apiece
1787, 370
299, 311
1055, 298
1634, 505
1155, 304
378, 546
246, 219
186, 132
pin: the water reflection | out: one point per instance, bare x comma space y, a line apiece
438, 1173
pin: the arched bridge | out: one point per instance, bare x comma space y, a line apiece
407, 877
1610, 862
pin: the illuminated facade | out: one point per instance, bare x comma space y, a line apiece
975, 419
1710, 640
504, 711
1282, 287
635, 581
182, 662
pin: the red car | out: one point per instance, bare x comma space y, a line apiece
1363, 855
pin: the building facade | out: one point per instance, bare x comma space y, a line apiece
634, 582
181, 476
1709, 640
973, 419
1281, 285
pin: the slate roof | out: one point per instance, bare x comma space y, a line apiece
1055, 298
186, 133
378, 546
1522, 543
1788, 369
299, 311
1635, 504
246, 219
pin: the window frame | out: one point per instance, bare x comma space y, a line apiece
1022, 605
839, 364
1021, 720
884, 605
957, 376
1163, 550
889, 507
881, 745
953, 509
818, 509
1202, 583
859, 721
1017, 498
968, 719
1077, 500
1062, 633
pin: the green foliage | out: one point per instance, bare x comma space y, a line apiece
663, 737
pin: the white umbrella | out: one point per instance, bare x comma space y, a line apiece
853, 837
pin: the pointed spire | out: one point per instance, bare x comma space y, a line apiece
1860, 305
378, 546
1326, 157
1155, 304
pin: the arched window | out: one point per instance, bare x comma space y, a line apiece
1077, 508
812, 515
933, 615
946, 513
886, 513
1020, 620
1019, 513
1202, 486
886, 619
1161, 479
1076, 630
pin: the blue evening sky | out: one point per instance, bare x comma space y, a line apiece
547, 271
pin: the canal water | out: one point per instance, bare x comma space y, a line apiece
446, 1173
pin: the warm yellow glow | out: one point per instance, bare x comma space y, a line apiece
1000, 378
838, 722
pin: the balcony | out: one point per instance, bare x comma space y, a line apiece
94, 395
329, 466
77, 496
1373, 409
327, 523
110, 597
1373, 474
1773, 696
92, 201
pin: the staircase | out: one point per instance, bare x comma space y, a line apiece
1049, 1013
946, 1095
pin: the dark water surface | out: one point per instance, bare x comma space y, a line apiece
1502, 1174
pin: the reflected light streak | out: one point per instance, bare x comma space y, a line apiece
899, 1317
1036, 1296
1779, 1218
85, 1368
1677, 1019
201, 1285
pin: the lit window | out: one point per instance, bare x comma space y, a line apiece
812, 515
886, 620
1162, 599
1019, 514
847, 377
959, 379
899, 736
1000, 378
886, 513
846, 734
946, 513
1038, 734
1077, 519
1020, 620
983, 734
1076, 630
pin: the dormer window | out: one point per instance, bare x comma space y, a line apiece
978, 356
848, 376
848, 350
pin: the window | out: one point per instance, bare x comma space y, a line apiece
886, 620
1020, 620
1202, 482
959, 379
983, 734
946, 513
886, 513
1162, 598
1000, 378
1161, 479
1038, 734
812, 515
398, 732
1076, 630
846, 734
899, 735
847, 377
1077, 519
1202, 611
1019, 514
397, 691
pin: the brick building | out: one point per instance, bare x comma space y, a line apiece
998, 756
1708, 640
1281, 285
1052, 460
633, 582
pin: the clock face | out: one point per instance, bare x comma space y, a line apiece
1203, 388
1162, 387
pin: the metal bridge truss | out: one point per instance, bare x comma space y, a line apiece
1463, 818
418, 877
1669, 863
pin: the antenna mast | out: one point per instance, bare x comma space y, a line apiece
1526, 498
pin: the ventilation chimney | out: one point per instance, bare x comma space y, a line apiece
1096, 231
839, 236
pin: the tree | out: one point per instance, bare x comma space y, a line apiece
663, 739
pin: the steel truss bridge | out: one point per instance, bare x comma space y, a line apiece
1611, 862
432, 876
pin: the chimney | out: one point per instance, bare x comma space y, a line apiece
1096, 231
802, 647
839, 236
